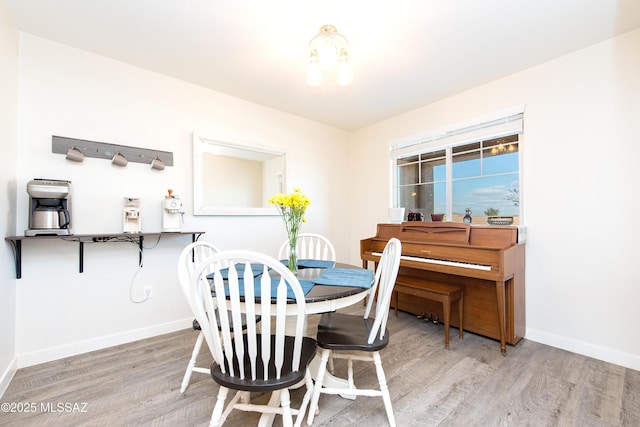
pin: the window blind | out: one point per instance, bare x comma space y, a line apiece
494, 128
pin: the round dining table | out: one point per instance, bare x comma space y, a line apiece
327, 298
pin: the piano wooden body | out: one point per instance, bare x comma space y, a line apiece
486, 261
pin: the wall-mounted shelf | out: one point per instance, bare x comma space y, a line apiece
81, 239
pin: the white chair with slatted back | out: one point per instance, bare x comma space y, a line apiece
352, 337
189, 259
263, 358
310, 246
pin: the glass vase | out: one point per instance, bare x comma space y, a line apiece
293, 254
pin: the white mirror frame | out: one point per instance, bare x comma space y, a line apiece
203, 144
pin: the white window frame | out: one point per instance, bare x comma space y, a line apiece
502, 123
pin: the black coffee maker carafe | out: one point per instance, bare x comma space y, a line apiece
49, 207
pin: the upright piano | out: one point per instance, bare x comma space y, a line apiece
486, 261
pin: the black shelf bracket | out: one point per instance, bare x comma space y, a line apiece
81, 239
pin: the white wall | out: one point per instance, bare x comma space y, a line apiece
8, 122
68, 92
581, 196
579, 202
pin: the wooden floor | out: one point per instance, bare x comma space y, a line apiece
471, 384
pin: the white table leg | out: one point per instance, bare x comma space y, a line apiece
329, 380
266, 420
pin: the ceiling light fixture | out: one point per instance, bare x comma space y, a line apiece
329, 51
501, 149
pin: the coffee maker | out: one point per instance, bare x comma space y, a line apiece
49, 207
171, 213
131, 220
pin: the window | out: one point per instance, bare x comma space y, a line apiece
474, 169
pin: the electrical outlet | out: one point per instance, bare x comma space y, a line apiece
148, 292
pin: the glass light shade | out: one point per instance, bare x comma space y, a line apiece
314, 74
328, 51
328, 55
344, 76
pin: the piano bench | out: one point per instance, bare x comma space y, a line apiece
435, 291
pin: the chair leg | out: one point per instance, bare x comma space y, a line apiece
232, 404
192, 362
216, 416
305, 400
266, 419
317, 388
285, 404
386, 397
395, 297
352, 384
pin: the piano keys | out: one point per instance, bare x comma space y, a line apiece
441, 262
486, 261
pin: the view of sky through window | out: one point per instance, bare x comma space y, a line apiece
484, 178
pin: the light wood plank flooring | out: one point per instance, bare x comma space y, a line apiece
471, 384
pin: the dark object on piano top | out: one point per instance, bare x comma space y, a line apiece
415, 216
500, 220
437, 217
467, 216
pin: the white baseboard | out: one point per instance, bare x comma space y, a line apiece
616, 357
73, 349
7, 376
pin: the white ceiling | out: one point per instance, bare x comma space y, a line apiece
404, 53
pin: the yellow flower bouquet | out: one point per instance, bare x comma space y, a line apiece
292, 207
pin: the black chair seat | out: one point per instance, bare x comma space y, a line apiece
287, 378
338, 331
196, 325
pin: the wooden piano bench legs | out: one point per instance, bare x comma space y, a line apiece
441, 292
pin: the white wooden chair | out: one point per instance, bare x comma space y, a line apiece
190, 258
310, 246
263, 358
352, 337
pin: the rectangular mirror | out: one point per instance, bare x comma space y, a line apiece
232, 178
